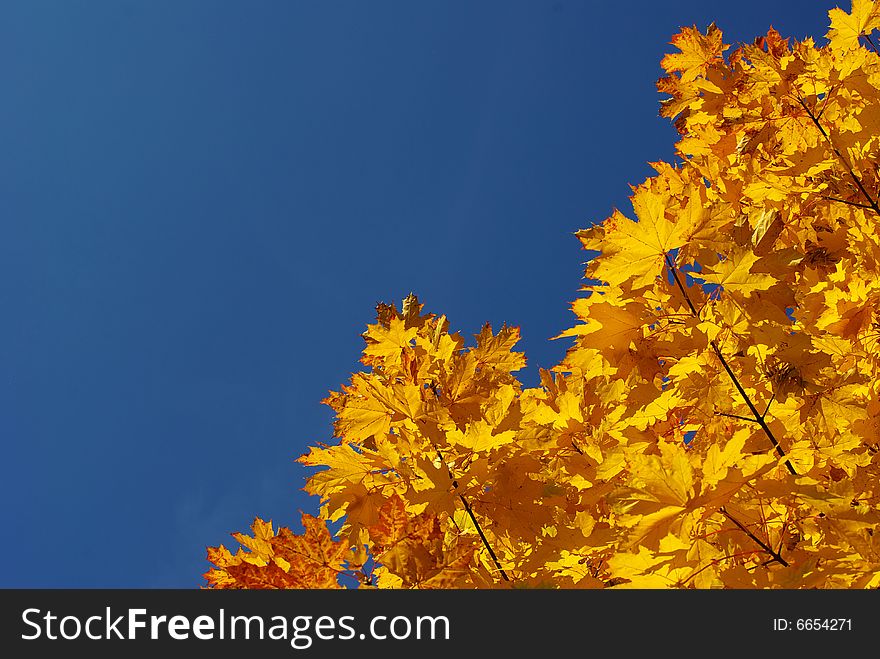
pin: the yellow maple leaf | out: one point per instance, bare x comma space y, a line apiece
360, 412
388, 343
735, 274
607, 327
718, 460
495, 351
646, 569
479, 436
650, 405
698, 52
345, 466
665, 478
847, 28
635, 251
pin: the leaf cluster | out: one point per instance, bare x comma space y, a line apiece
716, 421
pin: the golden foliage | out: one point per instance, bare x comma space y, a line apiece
715, 422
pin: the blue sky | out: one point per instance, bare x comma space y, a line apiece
202, 203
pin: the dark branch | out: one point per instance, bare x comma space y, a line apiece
687, 298
473, 517
848, 203
758, 418
486, 544
776, 556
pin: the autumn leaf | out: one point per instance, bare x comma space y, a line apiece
385, 345
734, 274
495, 351
846, 29
698, 52
312, 559
635, 251
413, 548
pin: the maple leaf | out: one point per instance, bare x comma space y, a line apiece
665, 478
386, 344
607, 326
718, 461
494, 351
734, 274
698, 52
345, 467
413, 548
846, 29
645, 569
479, 436
360, 413
767, 229
283, 560
635, 251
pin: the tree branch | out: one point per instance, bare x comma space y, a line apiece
759, 418
486, 544
687, 299
871, 201
776, 556
470, 512
736, 416
848, 203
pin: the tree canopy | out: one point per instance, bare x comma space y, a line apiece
716, 421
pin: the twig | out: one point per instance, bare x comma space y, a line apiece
871, 201
776, 556
736, 416
470, 512
848, 203
758, 418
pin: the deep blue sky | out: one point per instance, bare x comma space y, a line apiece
201, 203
